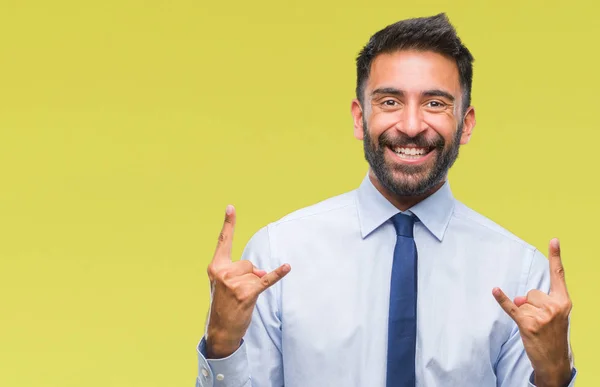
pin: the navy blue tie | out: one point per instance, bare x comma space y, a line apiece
402, 323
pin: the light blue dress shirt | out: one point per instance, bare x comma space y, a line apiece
325, 323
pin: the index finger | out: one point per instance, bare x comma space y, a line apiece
558, 283
223, 250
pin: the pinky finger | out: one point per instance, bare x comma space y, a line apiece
506, 304
273, 277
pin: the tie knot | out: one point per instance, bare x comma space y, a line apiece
403, 224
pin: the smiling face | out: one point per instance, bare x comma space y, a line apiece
412, 122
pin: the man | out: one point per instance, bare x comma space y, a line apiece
393, 284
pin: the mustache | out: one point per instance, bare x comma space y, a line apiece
402, 140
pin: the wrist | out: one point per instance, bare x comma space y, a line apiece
220, 345
559, 376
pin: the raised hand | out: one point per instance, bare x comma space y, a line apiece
235, 287
543, 321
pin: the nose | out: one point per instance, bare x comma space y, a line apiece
411, 121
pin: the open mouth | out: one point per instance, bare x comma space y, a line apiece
412, 152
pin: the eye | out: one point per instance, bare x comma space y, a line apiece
436, 104
389, 103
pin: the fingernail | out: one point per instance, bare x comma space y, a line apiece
229, 209
286, 268
555, 243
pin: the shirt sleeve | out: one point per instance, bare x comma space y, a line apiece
513, 367
571, 383
258, 362
231, 371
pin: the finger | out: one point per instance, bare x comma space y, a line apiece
528, 310
537, 298
259, 272
507, 305
241, 267
557, 270
273, 277
520, 300
223, 251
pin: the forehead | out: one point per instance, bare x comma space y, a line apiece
414, 71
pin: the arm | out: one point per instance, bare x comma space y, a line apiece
514, 366
263, 338
244, 304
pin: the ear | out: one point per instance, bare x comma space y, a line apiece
468, 125
357, 116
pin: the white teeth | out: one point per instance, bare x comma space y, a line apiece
410, 151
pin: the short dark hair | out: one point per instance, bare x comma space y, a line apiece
434, 33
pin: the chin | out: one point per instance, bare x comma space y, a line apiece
406, 185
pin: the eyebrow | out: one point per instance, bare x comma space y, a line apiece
399, 93
387, 91
438, 93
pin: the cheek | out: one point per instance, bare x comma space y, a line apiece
443, 125
381, 122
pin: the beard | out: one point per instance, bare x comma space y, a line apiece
411, 180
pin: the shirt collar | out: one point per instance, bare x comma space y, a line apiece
374, 209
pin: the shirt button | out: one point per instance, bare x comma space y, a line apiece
220, 376
205, 372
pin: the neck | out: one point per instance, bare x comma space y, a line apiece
403, 203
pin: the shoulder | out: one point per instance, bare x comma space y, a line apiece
503, 247
328, 208
321, 220
318, 220
484, 226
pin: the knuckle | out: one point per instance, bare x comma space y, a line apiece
560, 271
553, 308
567, 305
222, 237
227, 275
210, 270
239, 296
533, 327
242, 295
247, 265
545, 319
223, 275
266, 281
